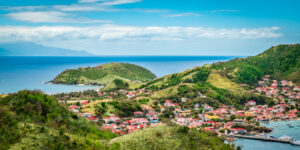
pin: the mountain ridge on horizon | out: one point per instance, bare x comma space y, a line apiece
32, 49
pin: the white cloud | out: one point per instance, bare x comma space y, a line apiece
130, 33
182, 15
49, 17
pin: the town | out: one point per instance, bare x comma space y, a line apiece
222, 120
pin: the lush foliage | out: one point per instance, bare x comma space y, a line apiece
29, 113
121, 108
170, 138
104, 74
282, 62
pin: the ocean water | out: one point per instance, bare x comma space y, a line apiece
18, 73
277, 132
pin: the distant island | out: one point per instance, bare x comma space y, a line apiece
32, 49
112, 73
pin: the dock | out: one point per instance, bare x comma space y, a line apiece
262, 138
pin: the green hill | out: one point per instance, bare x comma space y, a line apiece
34, 120
216, 87
281, 62
170, 138
104, 74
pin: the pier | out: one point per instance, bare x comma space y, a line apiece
262, 138
265, 138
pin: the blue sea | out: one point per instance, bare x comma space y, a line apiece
18, 73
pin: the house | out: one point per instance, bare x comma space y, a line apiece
261, 82
153, 120
168, 103
208, 108
84, 102
131, 95
251, 102
138, 114
183, 99
284, 82
86, 115
92, 118
297, 88
151, 114
111, 119
259, 89
238, 130
238, 121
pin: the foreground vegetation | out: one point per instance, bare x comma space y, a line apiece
166, 137
33, 120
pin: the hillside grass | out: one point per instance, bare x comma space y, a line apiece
220, 81
170, 91
166, 137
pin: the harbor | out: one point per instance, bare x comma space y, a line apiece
280, 128
283, 139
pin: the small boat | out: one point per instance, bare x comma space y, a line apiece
275, 126
288, 124
230, 139
285, 137
294, 142
291, 126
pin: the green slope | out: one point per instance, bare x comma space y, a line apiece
212, 83
165, 137
33, 120
281, 62
104, 74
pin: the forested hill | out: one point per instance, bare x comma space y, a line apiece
281, 62
34, 120
104, 74
220, 82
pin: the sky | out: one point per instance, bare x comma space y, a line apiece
152, 27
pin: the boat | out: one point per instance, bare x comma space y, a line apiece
294, 142
230, 139
285, 137
275, 126
291, 126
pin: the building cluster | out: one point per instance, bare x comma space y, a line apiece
127, 125
219, 119
281, 90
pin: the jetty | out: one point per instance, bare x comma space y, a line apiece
265, 138
262, 138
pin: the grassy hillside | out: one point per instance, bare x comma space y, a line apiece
104, 74
282, 62
169, 138
33, 120
213, 84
